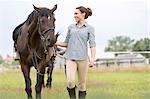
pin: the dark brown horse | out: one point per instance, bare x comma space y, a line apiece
34, 41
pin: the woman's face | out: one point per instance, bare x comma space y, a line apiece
78, 15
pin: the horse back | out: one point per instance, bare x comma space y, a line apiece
22, 38
17, 32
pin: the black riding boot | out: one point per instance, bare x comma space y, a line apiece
72, 93
82, 94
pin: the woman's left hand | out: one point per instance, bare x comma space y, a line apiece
92, 63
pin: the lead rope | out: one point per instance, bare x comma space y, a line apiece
35, 63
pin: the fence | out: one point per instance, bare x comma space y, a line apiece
123, 58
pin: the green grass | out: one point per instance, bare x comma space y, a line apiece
100, 85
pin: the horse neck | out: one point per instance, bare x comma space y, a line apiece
32, 22
34, 37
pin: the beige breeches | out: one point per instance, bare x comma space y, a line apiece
81, 66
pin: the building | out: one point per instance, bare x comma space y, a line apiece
120, 58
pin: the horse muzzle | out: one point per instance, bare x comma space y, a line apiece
50, 42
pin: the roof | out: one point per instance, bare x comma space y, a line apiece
130, 56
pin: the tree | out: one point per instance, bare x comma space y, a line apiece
120, 43
142, 45
1, 59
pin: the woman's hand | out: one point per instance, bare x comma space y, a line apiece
91, 63
61, 44
92, 60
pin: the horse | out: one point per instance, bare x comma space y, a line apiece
34, 40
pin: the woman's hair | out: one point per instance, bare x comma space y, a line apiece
87, 11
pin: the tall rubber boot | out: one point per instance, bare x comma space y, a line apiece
82, 94
72, 93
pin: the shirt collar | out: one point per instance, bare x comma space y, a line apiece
85, 24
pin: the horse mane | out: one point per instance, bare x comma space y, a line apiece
32, 15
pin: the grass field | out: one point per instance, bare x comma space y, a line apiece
101, 84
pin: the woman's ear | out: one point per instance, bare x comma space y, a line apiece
83, 14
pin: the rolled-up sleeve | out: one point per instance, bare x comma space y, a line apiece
68, 36
92, 42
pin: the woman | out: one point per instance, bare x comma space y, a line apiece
77, 51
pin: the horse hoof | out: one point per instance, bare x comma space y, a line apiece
30, 98
38, 96
48, 86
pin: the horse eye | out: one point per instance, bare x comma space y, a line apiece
49, 17
75, 13
42, 21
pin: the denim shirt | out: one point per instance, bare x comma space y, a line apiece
77, 41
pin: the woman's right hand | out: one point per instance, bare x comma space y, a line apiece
61, 44
57, 43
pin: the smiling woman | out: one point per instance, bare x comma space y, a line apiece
77, 51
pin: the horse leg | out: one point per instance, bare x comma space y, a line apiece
49, 74
43, 84
39, 82
26, 72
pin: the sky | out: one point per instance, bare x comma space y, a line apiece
110, 18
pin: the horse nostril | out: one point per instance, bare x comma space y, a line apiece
49, 40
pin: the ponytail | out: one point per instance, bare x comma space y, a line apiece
87, 11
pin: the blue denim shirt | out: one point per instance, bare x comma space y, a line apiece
77, 39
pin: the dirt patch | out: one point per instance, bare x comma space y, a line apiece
139, 68
12, 90
98, 83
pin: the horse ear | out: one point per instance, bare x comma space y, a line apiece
54, 8
36, 8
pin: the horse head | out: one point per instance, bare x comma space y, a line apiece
46, 25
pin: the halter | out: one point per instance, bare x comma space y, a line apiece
42, 34
43, 38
